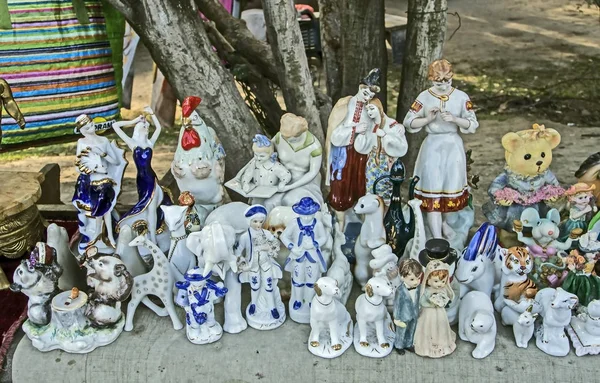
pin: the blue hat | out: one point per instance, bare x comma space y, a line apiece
306, 206
254, 210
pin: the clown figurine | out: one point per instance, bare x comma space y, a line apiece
303, 237
260, 269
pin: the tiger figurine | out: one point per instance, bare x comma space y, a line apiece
514, 283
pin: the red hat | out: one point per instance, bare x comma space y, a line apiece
189, 104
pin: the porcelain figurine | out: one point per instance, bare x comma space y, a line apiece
476, 269
441, 164
150, 194
192, 218
231, 214
263, 176
305, 262
524, 326
581, 208
580, 279
517, 263
136, 265
433, 336
159, 281
385, 265
261, 270
181, 258
476, 323
340, 267
416, 244
374, 332
301, 153
584, 330
331, 330
199, 162
201, 293
72, 275
215, 245
100, 165
543, 244
348, 145
526, 180
388, 143
556, 306
588, 173
406, 304
372, 234
8, 102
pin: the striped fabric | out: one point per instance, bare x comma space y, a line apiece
57, 68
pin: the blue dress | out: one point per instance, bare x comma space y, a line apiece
146, 182
93, 197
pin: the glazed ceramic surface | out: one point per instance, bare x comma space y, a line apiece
476, 323
584, 330
372, 234
407, 304
556, 306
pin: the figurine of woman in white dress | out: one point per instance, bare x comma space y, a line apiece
441, 164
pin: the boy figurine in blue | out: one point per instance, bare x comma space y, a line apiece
303, 237
406, 304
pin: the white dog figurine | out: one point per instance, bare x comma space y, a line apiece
476, 323
556, 309
328, 316
374, 332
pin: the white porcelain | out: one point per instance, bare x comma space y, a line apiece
331, 331
72, 275
584, 330
556, 306
374, 333
372, 234
231, 214
385, 265
544, 231
130, 255
417, 243
180, 257
516, 264
340, 267
158, 282
476, 323
523, 328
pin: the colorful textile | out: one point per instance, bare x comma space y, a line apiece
57, 67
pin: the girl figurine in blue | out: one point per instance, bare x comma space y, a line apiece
303, 237
150, 194
261, 270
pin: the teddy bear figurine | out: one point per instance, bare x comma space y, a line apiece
526, 180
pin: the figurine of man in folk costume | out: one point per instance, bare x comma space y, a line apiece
348, 146
441, 164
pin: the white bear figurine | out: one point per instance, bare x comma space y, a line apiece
476, 323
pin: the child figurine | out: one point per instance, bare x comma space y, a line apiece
581, 205
192, 219
433, 336
406, 304
261, 270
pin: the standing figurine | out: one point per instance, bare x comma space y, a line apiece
260, 268
433, 336
348, 146
406, 305
8, 102
304, 238
588, 173
100, 165
441, 163
580, 203
387, 143
150, 193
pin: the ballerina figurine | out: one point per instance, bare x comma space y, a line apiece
150, 194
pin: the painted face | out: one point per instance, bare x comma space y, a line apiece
372, 111
88, 129
442, 86
436, 282
411, 281
295, 139
262, 156
582, 198
365, 94
257, 222
307, 219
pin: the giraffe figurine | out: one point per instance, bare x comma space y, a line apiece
419, 239
158, 282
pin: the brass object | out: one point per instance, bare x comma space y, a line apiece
8, 103
20, 232
3, 280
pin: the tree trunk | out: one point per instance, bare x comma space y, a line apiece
330, 20
295, 79
173, 33
425, 35
363, 42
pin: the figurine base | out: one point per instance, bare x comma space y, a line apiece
374, 349
583, 342
555, 347
204, 334
72, 340
324, 349
302, 315
263, 320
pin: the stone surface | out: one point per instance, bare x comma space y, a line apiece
18, 191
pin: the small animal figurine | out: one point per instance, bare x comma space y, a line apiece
556, 306
181, 258
385, 265
476, 323
331, 331
37, 277
406, 304
372, 234
514, 283
526, 180
201, 293
581, 207
523, 327
261, 270
444, 112
374, 332
434, 298
306, 263
513, 309
158, 282
340, 267
588, 173
584, 330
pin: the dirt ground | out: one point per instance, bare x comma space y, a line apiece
522, 61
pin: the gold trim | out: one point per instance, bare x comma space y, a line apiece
103, 181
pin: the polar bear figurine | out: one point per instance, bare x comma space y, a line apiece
476, 323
